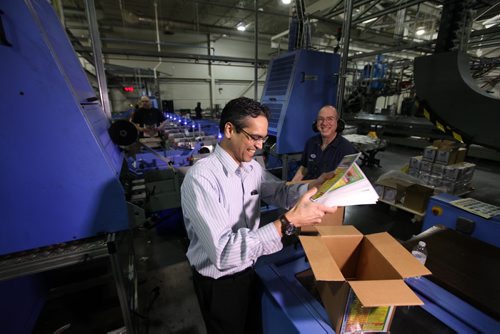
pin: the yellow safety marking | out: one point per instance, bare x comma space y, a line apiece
426, 114
457, 137
440, 126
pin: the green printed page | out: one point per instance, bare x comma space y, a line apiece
340, 179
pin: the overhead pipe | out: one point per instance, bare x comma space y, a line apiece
345, 56
158, 44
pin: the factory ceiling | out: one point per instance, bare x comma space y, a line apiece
183, 28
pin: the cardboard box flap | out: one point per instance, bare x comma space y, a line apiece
330, 219
400, 258
384, 293
322, 264
338, 230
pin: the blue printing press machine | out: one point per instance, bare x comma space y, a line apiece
460, 295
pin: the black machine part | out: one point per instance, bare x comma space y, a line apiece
445, 88
123, 133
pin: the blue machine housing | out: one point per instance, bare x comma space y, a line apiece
287, 307
298, 84
487, 230
59, 173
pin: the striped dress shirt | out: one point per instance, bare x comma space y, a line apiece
221, 208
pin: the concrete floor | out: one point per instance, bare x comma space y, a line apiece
167, 300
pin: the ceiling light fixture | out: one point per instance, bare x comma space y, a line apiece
492, 21
241, 27
420, 31
286, 2
369, 20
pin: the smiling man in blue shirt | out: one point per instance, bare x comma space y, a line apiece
221, 197
323, 152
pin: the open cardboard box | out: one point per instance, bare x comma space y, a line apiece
372, 266
330, 219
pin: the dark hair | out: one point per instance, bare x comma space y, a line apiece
238, 109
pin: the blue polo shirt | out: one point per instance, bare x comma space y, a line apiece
317, 161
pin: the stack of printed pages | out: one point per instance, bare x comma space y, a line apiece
348, 186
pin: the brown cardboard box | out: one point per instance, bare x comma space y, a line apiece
373, 266
446, 156
426, 166
330, 219
429, 153
461, 154
415, 196
415, 162
447, 151
391, 189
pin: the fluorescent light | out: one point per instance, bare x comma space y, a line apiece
491, 21
369, 20
420, 31
241, 27
286, 2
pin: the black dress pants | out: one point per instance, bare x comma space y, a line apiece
230, 304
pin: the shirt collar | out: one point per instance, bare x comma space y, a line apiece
228, 163
334, 142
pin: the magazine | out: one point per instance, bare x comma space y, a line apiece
359, 319
348, 186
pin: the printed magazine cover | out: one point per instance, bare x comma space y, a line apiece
359, 319
348, 186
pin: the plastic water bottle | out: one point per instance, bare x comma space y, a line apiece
420, 251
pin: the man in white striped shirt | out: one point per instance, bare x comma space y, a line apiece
221, 197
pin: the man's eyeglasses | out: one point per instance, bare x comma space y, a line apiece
329, 119
255, 138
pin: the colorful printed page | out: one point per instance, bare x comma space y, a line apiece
339, 177
353, 188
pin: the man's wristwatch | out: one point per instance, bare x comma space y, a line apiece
287, 228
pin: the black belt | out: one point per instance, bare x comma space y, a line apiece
242, 273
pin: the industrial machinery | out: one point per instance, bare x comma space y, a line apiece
298, 84
62, 200
452, 100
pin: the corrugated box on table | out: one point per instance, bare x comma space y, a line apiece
463, 171
424, 177
447, 152
468, 171
453, 172
429, 153
414, 172
411, 195
426, 166
461, 154
438, 170
415, 196
415, 162
391, 189
360, 277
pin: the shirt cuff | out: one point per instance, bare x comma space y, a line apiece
270, 239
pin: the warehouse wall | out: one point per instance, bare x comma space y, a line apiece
187, 81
